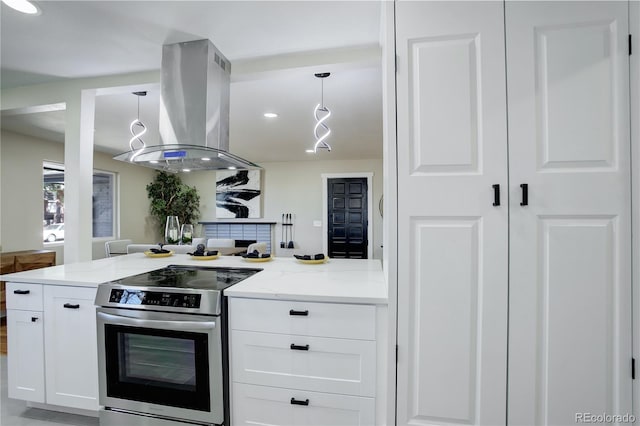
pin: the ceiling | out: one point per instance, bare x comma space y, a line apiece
274, 47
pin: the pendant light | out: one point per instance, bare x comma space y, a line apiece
321, 113
136, 136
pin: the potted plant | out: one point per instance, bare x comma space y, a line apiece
170, 197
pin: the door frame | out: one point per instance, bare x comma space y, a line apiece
634, 75
325, 210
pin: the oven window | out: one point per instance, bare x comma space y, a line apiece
164, 367
162, 361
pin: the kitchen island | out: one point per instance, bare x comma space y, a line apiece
337, 280
347, 300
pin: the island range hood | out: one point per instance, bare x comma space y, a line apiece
194, 113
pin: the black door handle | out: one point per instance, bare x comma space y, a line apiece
299, 313
34, 319
298, 402
71, 306
496, 194
299, 347
525, 194
21, 291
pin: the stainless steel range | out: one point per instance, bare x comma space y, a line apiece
162, 347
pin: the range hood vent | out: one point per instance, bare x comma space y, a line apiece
194, 112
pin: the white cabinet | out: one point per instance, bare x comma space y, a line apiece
52, 345
71, 357
478, 256
302, 363
25, 342
453, 240
570, 247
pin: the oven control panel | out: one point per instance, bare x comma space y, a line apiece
154, 298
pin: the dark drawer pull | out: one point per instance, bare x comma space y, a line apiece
299, 313
71, 306
299, 347
496, 195
21, 291
298, 402
525, 194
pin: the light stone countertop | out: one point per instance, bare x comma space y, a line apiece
338, 280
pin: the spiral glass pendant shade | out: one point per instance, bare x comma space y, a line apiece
321, 113
321, 131
137, 135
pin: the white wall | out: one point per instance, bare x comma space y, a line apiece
21, 160
287, 187
296, 187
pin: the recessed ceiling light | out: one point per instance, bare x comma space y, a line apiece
206, 159
270, 114
231, 168
310, 151
153, 161
23, 6
186, 170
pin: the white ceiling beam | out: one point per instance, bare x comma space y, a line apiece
59, 91
369, 56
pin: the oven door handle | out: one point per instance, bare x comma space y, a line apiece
164, 324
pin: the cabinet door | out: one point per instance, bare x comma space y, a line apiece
261, 405
570, 284
71, 342
26, 355
452, 262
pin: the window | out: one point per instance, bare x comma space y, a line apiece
103, 204
104, 196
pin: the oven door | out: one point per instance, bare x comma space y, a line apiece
161, 363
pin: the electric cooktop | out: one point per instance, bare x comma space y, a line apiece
192, 277
189, 289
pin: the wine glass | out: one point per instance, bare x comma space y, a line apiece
171, 230
186, 234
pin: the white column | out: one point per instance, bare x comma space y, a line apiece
78, 160
390, 209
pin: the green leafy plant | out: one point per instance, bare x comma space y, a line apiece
170, 197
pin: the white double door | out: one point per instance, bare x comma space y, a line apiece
512, 313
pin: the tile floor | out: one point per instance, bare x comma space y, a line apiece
15, 413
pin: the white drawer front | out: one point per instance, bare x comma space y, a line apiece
260, 405
329, 365
312, 319
25, 297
